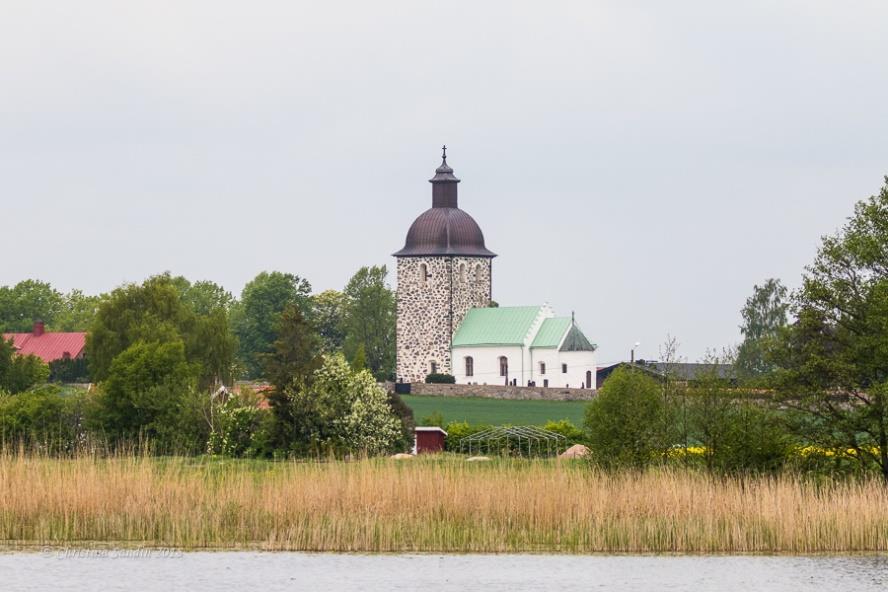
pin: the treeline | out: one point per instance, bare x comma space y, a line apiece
809, 385
161, 351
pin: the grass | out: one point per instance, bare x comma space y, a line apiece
477, 410
439, 504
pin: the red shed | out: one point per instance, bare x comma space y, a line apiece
429, 439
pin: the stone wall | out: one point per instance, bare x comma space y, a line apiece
451, 286
490, 391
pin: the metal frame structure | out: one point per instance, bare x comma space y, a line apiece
514, 440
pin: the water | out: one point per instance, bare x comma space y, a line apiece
161, 571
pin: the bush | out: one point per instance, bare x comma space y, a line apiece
43, 418
624, 422
440, 379
571, 433
235, 422
457, 430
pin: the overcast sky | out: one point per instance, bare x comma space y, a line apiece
641, 163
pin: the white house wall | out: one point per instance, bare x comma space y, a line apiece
487, 366
578, 363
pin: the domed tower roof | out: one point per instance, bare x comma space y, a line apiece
444, 229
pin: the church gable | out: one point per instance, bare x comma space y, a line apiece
575, 341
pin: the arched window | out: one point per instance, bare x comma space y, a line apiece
504, 366
542, 367
478, 273
433, 366
470, 366
462, 273
423, 274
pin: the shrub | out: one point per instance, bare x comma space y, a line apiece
234, 424
43, 417
571, 433
457, 430
19, 373
440, 379
624, 422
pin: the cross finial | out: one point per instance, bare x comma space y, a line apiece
444, 150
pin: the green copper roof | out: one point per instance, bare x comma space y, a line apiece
576, 341
506, 325
551, 332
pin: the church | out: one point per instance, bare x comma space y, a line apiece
445, 321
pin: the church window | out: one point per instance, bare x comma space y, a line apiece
564, 368
470, 366
546, 383
423, 274
504, 366
542, 367
462, 273
434, 367
478, 273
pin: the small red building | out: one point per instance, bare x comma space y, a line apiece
429, 439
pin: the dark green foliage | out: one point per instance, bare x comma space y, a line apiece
26, 302
19, 373
440, 379
405, 414
155, 311
764, 315
370, 320
624, 422
69, 370
256, 317
290, 370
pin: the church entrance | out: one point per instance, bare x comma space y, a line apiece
588, 379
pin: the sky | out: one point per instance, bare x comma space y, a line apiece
643, 164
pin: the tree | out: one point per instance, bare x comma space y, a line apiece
624, 422
77, 312
43, 417
155, 311
290, 369
834, 358
146, 396
19, 373
370, 425
328, 316
26, 302
764, 315
737, 433
370, 320
255, 318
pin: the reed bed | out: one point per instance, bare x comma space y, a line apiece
428, 505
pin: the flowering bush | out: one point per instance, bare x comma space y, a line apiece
235, 424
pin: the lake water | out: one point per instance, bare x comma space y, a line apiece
161, 571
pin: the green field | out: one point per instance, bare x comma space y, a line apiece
495, 411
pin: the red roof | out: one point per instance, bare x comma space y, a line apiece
48, 346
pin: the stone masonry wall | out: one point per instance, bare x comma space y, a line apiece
491, 391
424, 324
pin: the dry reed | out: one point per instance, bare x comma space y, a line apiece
428, 505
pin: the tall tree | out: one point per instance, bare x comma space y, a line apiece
370, 320
290, 369
255, 318
764, 315
26, 302
328, 316
154, 311
835, 357
78, 311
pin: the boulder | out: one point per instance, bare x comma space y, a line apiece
478, 459
575, 451
401, 456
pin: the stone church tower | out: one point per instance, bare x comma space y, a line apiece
444, 270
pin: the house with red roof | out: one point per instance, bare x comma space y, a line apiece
49, 347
